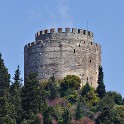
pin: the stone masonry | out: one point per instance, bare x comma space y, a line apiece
62, 53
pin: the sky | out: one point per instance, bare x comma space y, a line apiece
20, 20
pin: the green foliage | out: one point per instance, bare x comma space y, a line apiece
53, 92
66, 117
47, 115
105, 117
79, 112
32, 99
111, 116
89, 96
101, 87
70, 81
22, 105
72, 95
36, 120
106, 101
123, 101
15, 91
85, 89
118, 115
116, 97
6, 108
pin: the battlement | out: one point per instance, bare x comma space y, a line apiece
62, 52
34, 43
67, 30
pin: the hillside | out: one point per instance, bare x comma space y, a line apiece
57, 101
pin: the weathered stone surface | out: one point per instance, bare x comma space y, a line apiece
63, 53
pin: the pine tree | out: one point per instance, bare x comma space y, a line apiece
6, 109
66, 117
52, 88
47, 115
85, 89
15, 91
31, 100
79, 112
101, 87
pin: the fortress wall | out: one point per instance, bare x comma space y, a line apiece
63, 53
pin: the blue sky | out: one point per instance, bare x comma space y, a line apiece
20, 20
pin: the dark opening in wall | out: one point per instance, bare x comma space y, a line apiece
84, 42
74, 50
87, 79
90, 61
91, 43
79, 45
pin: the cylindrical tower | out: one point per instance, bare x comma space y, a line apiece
62, 53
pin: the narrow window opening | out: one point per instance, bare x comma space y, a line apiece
74, 50
90, 61
79, 45
87, 79
91, 43
84, 42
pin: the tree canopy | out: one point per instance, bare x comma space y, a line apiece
101, 87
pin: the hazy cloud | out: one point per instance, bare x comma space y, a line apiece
60, 16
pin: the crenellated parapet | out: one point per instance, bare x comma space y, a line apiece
60, 30
63, 52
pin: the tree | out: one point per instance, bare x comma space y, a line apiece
116, 97
85, 89
6, 109
105, 117
31, 97
106, 101
52, 88
79, 112
89, 96
66, 117
15, 91
47, 115
113, 115
118, 114
72, 95
123, 101
70, 81
101, 87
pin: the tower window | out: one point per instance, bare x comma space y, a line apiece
79, 45
74, 50
90, 61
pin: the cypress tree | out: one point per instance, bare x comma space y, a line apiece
47, 115
79, 112
66, 117
15, 91
31, 97
6, 109
101, 87
85, 89
52, 87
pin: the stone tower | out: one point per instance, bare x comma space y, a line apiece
62, 53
